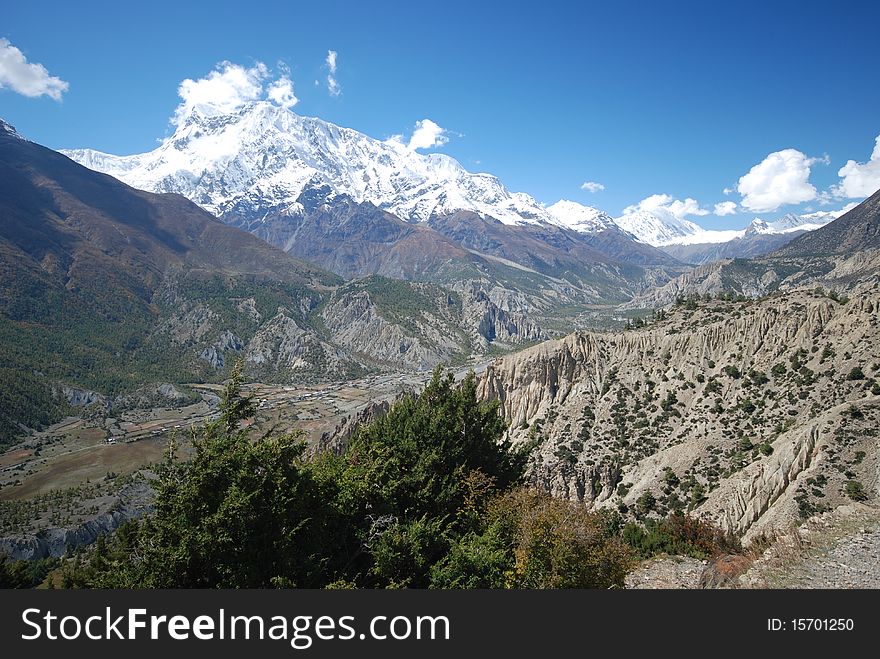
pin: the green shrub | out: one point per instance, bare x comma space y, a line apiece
855, 374
682, 535
732, 371
856, 491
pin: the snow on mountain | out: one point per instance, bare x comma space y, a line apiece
808, 221
657, 227
9, 128
708, 236
260, 157
790, 223
786, 223
584, 219
662, 229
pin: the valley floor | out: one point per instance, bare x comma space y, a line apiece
82, 470
77, 450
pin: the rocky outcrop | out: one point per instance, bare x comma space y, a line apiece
77, 397
337, 439
577, 481
150, 396
495, 324
355, 323
281, 344
739, 502
248, 307
215, 354
765, 496
191, 323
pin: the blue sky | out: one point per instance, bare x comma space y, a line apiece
678, 98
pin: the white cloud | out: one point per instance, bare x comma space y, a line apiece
781, 178
332, 84
281, 93
860, 179
727, 191
27, 79
666, 203
226, 88
229, 86
427, 135
592, 186
725, 208
825, 198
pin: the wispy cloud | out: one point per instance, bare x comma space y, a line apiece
27, 78
592, 186
333, 87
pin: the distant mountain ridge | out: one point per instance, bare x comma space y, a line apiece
257, 162
662, 229
841, 255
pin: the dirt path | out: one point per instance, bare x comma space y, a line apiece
840, 549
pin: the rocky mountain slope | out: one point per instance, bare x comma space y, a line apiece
752, 413
104, 288
418, 326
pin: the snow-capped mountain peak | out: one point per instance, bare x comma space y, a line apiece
260, 157
584, 219
790, 223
